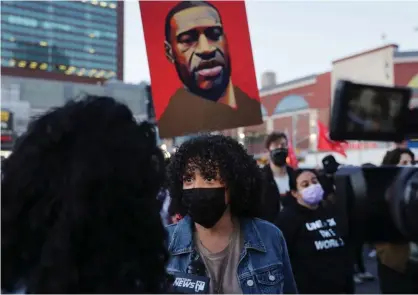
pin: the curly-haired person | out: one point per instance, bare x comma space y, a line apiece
218, 184
79, 207
396, 265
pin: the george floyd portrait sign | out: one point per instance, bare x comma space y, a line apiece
201, 66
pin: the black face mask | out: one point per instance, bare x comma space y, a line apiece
205, 205
278, 156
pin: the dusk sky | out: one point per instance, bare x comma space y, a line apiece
299, 38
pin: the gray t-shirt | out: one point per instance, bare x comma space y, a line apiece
222, 266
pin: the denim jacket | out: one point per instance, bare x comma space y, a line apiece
264, 266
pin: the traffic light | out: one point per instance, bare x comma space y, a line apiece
150, 103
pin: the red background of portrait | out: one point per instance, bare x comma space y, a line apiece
164, 79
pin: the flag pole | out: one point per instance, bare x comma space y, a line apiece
316, 132
360, 152
316, 145
317, 157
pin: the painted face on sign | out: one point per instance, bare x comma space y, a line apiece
199, 50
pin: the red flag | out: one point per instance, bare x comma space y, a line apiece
291, 160
326, 144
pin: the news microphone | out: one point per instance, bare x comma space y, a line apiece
185, 283
194, 281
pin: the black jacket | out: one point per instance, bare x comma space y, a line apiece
270, 197
327, 182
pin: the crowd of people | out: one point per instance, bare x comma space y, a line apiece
86, 194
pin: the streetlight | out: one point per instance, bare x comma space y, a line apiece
241, 135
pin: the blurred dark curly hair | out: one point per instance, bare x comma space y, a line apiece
393, 157
79, 208
213, 154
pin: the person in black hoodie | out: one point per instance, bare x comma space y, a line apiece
321, 261
277, 177
327, 174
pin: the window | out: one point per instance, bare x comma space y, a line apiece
65, 41
62, 34
10, 91
18, 13
9, 49
56, 59
263, 111
23, 21
291, 103
69, 6
65, 69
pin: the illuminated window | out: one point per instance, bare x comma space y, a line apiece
94, 2
12, 39
43, 43
21, 64
100, 74
70, 70
62, 67
33, 65
112, 5
81, 72
43, 66
91, 50
91, 35
12, 63
103, 4
5, 115
92, 72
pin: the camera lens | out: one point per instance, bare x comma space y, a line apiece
404, 202
411, 205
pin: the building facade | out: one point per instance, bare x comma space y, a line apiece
42, 95
79, 41
25, 98
292, 107
295, 106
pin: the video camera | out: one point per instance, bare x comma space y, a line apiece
376, 204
